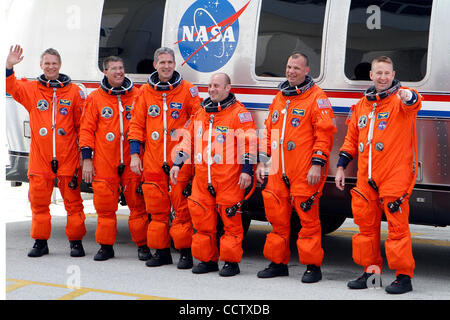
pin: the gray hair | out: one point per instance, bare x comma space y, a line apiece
163, 50
109, 59
51, 51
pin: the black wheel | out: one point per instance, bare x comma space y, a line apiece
331, 223
246, 220
328, 224
295, 226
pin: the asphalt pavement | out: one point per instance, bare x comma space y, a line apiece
57, 276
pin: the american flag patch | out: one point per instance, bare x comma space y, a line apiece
194, 91
245, 117
347, 121
324, 104
82, 95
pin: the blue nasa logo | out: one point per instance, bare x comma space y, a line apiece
382, 125
220, 138
295, 122
208, 34
175, 114
63, 111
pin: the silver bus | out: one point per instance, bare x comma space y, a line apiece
250, 40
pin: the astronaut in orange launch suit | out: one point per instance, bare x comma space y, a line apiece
54, 105
166, 104
222, 141
381, 132
298, 137
104, 127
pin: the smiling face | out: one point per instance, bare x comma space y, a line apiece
165, 66
296, 70
382, 75
115, 73
218, 88
50, 65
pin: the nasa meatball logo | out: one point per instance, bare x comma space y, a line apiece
208, 34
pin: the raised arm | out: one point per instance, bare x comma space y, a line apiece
14, 57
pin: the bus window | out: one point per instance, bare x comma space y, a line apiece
395, 28
286, 26
131, 30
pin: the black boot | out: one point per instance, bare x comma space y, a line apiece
400, 285
205, 267
76, 249
185, 261
144, 253
312, 274
106, 252
274, 270
361, 282
229, 269
161, 257
40, 248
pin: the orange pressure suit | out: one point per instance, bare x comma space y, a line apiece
230, 132
160, 113
389, 155
306, 114
55, 109
101, 132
